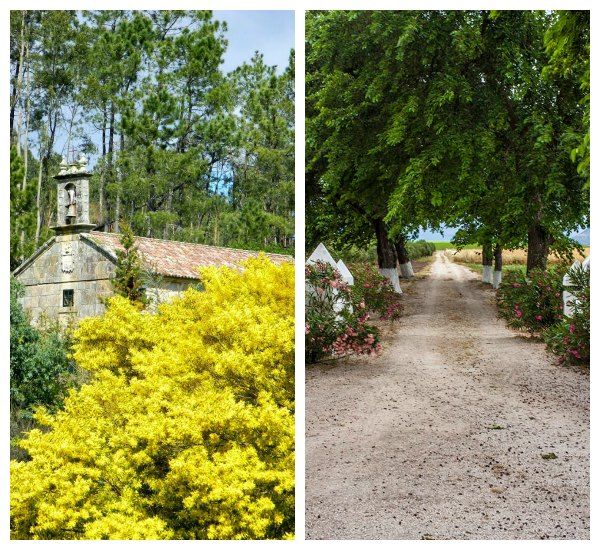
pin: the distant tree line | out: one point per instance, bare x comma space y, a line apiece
477, 120
184, 151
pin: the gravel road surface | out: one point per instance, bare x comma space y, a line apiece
443, 435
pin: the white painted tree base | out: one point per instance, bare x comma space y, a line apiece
497, 279
406, 270
391, 274
487, 274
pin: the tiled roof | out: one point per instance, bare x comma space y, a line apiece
178, 259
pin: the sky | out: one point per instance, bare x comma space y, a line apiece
269, 32
582, 235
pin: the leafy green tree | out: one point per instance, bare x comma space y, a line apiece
22, 212
433, 117
184, 150
567, 43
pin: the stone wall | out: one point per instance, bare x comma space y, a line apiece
166, 289
67, 262
71, 262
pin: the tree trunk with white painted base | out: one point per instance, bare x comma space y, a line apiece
486, 261
386, 255
497, 266
406, 269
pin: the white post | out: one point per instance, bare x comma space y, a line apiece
321, 254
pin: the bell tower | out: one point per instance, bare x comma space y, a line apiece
73, 197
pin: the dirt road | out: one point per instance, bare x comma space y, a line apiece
443, 435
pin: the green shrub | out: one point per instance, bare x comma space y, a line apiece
532, 303
40, 369
420, 249
570, 339
375, 291
355, 254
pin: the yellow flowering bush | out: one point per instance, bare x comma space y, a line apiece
186, 430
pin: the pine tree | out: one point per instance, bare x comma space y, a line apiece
128, 279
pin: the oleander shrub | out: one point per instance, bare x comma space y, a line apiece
531, 303
335, 325
375, 291
186, 428
570, 338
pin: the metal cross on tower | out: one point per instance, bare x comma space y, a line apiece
73, 152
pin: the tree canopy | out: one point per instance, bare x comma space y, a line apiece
462, 118
182, 149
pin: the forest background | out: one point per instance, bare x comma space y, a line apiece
182, 149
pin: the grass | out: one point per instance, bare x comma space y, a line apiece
441, 245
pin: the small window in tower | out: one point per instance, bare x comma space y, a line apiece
68, 298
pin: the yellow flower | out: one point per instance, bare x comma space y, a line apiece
186, 430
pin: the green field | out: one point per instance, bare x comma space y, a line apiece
440, 245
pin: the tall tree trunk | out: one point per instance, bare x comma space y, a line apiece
118, 198
38, 203
386, 255
538, 247
111, 145
486, 260
26, 145
406, 269
13, 103
101, 192
497, 266
19, 86
27, 117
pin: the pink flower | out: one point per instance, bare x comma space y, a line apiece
519, 313
538, 317
571, 328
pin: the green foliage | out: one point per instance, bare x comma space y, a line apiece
567, 43
186, 151
531, 302
22, 212
40, 368
420, 249
375, 291
570, 339
441, 117
128, 280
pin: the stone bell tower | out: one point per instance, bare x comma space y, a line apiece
73, 197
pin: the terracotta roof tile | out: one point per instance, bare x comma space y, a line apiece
179, 259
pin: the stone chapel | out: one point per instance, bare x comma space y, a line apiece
69, 275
